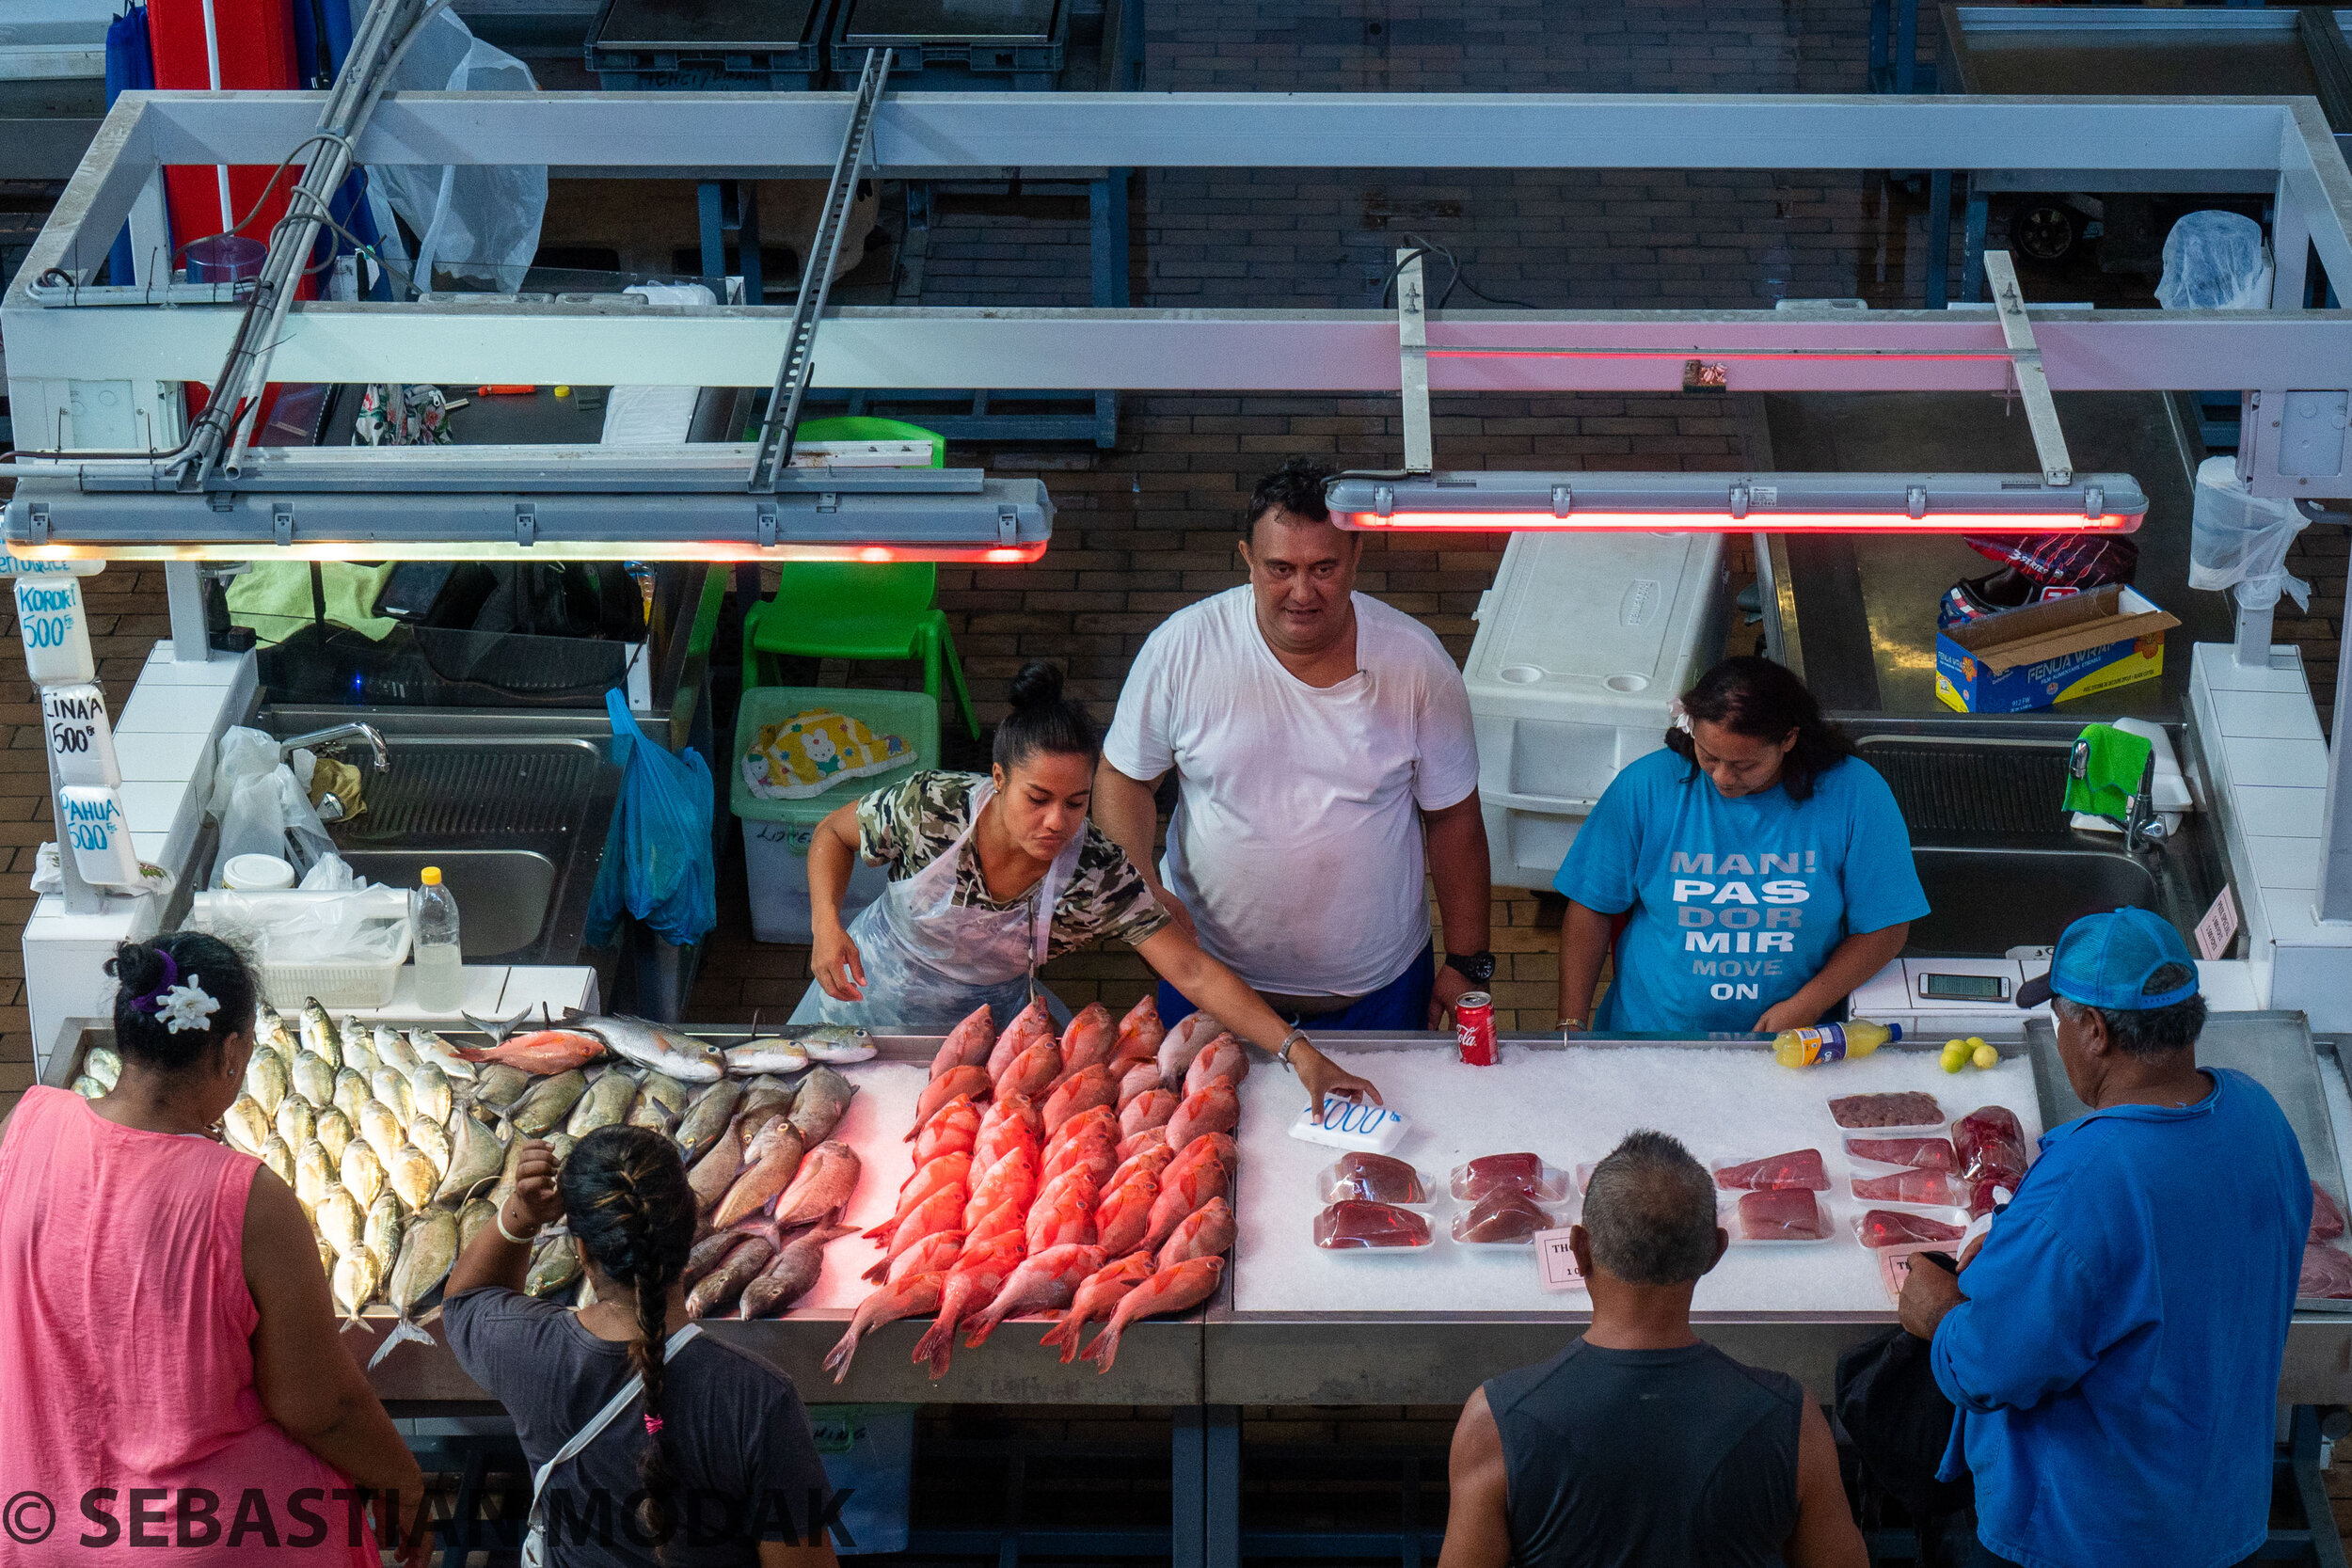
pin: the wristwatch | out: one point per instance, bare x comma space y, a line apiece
1477, 968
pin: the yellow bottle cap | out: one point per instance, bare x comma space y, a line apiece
433, 876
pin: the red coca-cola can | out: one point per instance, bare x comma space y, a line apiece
1475, 1027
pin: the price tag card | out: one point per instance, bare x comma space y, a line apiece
2219, 926
74, 727
1555, 1262
1895, 1265
55, 633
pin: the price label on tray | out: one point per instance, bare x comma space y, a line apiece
1555, 1260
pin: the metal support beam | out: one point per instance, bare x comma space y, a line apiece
1972, 251
1939, 256
1412, 353
184, 589
2335, 843
2009, 301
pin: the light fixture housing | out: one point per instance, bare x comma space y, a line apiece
517, 504
1736, 503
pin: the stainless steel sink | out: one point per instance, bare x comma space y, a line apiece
514, 807
1991, 841
502, 894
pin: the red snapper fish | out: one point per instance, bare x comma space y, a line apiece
543, 1052
979, 1275
1098, 1297
967, 1044
1088, 1039
1206, 1233
1186, 1284
951, 1130
1135, 1081
1031, 1025
1064, 1212
1222, 1058
910, 1297
1139, 1034
1089, 1088
959, 1082
1046, 1281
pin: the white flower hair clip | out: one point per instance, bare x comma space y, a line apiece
1678, 716
187, 1006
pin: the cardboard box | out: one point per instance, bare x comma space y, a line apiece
2050, 652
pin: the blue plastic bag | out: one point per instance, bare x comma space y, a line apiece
658, 863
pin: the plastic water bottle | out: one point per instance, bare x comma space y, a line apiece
1832, 1042
440, 969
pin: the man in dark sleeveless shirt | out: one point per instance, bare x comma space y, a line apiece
1639, 1446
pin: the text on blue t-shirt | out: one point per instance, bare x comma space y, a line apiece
1735, 902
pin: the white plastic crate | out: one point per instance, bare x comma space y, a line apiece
288, 985
1582, 642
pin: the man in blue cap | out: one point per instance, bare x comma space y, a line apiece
2112, 1344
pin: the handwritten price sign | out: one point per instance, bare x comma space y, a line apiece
1555, 1262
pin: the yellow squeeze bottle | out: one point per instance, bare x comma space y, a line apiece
1832, 1042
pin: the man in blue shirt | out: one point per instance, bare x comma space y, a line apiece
2112, 1345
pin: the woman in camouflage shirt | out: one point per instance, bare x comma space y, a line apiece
992, 877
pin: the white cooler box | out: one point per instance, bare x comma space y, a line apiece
1582, 642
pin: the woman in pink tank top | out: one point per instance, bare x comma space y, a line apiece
170, 1371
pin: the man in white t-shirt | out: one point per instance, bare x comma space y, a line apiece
1316, 734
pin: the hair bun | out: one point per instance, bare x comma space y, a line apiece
1037, 685
137, 967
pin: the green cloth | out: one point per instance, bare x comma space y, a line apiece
274, 599
2118, 760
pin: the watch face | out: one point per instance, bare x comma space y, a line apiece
1479, 969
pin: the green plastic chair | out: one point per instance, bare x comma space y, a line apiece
837, 609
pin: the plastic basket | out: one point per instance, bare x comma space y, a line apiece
288, 985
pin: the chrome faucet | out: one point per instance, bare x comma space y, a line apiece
334, 736
2143, 825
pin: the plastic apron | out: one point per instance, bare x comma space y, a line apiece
930, 961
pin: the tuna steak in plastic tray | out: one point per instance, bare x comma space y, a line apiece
2327, 1219
1504, 1217
1781, 1216
1917, 1153
1935, 1188
1890, 1227
1799, 1170
2326, 1273
1524, 1173
1992, 1146
1375, 1178
1356, 1226
1907, 1112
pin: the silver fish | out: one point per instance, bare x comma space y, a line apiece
269, 1028
499, 1085
380, 1235
390, 1085
560, 1148
510, 1167
411, 1175
607, 1103
816, 1109
319, 1036
88, 1087
326, 1260
651, 1114
381, 1128
336, 1132
548, 1103
477, 1212
667, 1092
766, 1055
279, 1158
246, 1127
793, 1274
428, 1085
707, 1117
358, 1055
393, 1048
340, 1219
430, 1046
432, 1139
265, 1079
314, 1172
362, 1172
313, 1080
351, 1092
651, 1045
475, 1157
840, 1043
354, 1282
297, 1121
104, 1063
427, 1250
554, 1267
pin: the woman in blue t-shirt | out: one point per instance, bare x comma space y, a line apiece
1763, 869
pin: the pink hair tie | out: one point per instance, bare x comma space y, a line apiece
652, 1426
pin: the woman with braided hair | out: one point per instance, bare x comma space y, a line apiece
652, 1443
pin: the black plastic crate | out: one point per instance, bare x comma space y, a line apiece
711, 45
1019, 44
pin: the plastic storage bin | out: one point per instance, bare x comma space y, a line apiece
1582, 642
776, 834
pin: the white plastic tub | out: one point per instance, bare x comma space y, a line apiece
1582, 642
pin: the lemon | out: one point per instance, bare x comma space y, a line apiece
1955, 1056
1976, 1042
1985, 1057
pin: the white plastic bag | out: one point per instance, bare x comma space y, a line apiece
2214, 260
261, 810
364, 926
477, 221
2242, 540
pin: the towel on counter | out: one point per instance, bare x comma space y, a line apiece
810, 753
2112, 772
274, 599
